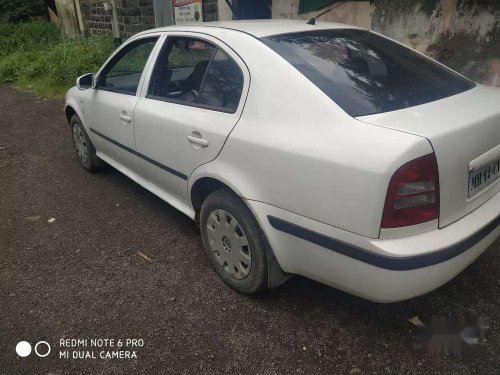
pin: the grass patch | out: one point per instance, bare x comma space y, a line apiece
42, 87
35, 56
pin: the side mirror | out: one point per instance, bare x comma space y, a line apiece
85, 82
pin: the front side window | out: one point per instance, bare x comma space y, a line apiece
194, 72
365, 73
124, 71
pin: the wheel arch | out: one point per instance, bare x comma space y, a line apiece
69, 111
202, 188
71, 108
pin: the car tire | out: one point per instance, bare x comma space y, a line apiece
85, 150
233, 239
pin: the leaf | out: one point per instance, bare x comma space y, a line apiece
416, 321
142, 255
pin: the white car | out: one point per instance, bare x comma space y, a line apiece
324, 150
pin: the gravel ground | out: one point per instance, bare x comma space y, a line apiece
81, 277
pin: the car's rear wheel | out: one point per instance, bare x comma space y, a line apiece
85, 150
234, 242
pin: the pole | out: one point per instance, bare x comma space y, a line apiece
114, 23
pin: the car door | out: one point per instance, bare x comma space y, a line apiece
194, 98
111, 104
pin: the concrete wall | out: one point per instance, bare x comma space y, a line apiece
353, 12
164, 13
210, 10
463, 34
224, 12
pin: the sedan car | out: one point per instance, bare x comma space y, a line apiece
323, 150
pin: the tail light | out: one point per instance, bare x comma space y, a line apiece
413, 194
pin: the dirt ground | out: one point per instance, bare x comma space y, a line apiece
81, 277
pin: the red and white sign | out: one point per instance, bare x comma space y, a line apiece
187, 11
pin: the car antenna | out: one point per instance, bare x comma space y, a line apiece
232, 9
312, 21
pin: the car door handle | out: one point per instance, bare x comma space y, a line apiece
125, 118
198, 141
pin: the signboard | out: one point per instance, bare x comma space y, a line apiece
187, 11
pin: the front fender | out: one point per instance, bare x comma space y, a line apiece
73, 101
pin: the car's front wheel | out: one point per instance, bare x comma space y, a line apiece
234, 242
85, 150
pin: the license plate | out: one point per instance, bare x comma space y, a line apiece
483, 177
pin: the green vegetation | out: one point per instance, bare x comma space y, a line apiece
186, 53
35, 56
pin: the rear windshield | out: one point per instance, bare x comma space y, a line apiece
365, 73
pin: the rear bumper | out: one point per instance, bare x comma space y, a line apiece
378, 270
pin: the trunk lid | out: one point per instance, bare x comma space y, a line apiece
464, 131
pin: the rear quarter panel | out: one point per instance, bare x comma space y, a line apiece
295, 149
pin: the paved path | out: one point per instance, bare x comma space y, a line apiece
80, 277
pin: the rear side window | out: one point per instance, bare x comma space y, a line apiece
194, 72
180, 69
223, 83
365, 73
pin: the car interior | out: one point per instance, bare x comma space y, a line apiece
180, 69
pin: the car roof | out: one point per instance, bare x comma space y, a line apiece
259, 28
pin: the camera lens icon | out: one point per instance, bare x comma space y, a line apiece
23, 348
42, 349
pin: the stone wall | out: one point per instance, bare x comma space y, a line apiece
133, 16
